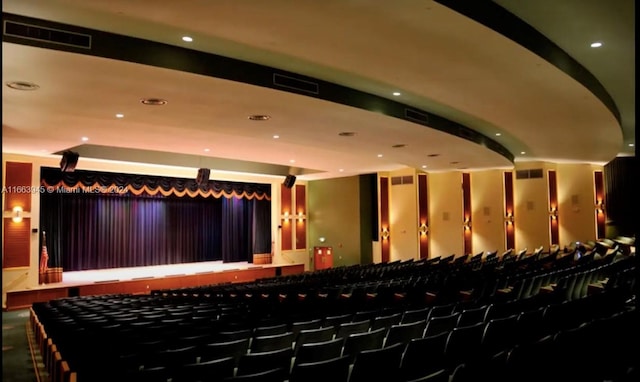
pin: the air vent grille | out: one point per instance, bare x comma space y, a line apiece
295, 83
416, 116
529, 174
50, 35
397, 180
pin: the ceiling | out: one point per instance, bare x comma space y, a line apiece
469, 97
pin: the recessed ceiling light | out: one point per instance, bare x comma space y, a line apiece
523, 152
397, 94
596, 44
153, 101
379, 155
631, 145
206, 150
498, 134
341, 170
119, 115
23, 85
187, 38
347, 134
276, 136
424, 166
292, 161
84, 139
259, 117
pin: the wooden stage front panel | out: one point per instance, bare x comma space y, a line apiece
144, 285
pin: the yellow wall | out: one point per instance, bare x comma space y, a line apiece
445, 214
487, 205
531, 217
334, 213
576, 196
403, 217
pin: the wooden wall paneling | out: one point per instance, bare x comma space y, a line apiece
385, 229
466, 209
554, 227
509, 211
598, 183
286, 211
301, 216
423, 216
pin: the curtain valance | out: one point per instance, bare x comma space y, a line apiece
81, 181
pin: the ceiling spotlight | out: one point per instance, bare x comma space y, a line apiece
424, 166
187, 39
523, 152
84, 139
596, 44
292, 161
23, 85
379, 155
498, 134
397, 94
119, 115
206, 150
276, 136
632, 145
153, 101
259, 117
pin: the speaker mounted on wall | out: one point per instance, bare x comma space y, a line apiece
69, 161
289, 181
203, 176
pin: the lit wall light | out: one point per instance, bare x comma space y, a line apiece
600, 206
509, 218
553, 212
385, 233
300, 216
285, 216
423, 229
467, 224
16, 214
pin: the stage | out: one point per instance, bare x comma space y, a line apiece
142, 280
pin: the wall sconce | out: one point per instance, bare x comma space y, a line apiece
300, 216
509, 218
285, 216
322, 239
600, 206
423, 229
467, 224
16, 214
385, 233
553, 212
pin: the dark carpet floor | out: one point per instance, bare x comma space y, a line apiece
17, 363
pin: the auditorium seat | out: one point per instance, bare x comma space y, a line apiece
441, 375
252, 363
386, 321
216, 350
472, 315
271, 342
271, 375
500, 334
314, 335
319, 351
346, 328
464, 345
217, 369
378, 364
355, 343
423, 356
403, 333
334, 370
440, 324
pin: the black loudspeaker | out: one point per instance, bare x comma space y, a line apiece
289, 181
69, 161
203, 176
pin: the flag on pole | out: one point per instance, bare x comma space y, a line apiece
44, 256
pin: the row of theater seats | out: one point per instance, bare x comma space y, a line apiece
233, 332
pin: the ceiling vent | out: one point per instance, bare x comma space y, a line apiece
295, 84
529, 174
49, 35
416, 116
398, 180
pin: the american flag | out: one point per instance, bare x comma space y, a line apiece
44, 256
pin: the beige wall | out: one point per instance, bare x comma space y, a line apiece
334, 213
576, 197
445, 214
487, 205
531, 197
403, 217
